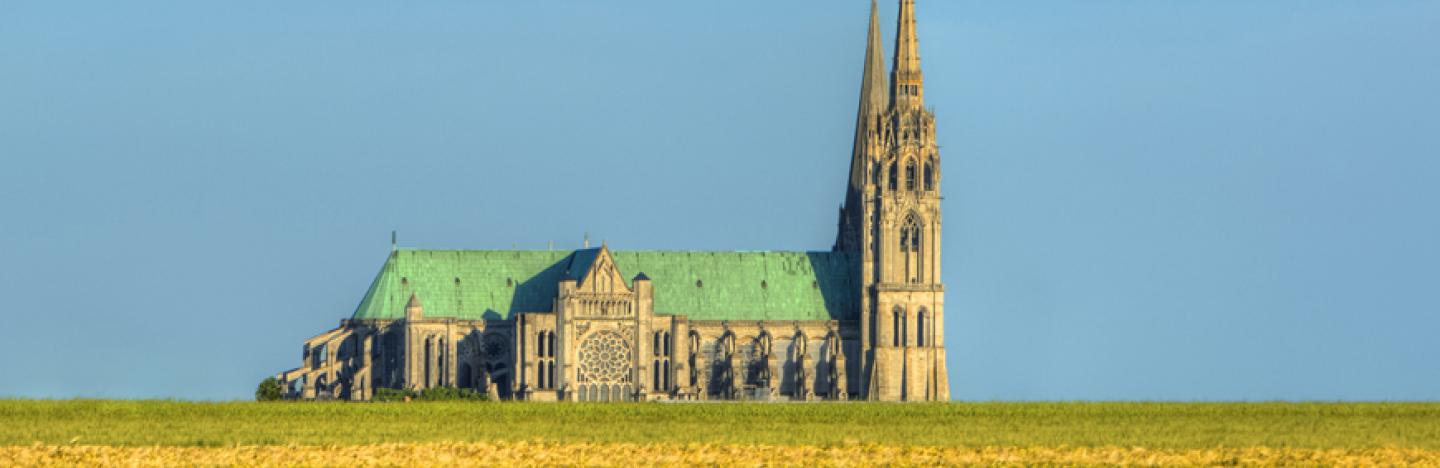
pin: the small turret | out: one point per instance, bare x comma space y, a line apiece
641, 280
413, 310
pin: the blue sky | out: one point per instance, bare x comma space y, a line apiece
1148, 200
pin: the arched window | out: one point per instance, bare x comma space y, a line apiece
910, 243
666, 373
655, 381
893, 177
910, 175
429, 357
929, 176
657, 347
540, 344
666, 341
920, 327
904, 328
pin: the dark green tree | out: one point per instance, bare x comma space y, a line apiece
269, 390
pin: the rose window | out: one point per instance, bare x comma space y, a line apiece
604, 358
494, 347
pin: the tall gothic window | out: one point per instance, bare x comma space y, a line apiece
910, 243
910, 175
429, 357
929, 176
440, 369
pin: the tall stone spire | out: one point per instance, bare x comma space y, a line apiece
908, 81
874, 103
874, 100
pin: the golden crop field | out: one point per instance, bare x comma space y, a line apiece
160, 433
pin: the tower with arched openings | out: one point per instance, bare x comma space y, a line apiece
891, 218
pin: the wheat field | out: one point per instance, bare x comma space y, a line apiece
167, 433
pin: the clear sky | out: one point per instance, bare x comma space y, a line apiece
1149, 200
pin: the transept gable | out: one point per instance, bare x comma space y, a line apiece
601, 274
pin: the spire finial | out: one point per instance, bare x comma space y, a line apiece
907, 80
587, 239
394, 241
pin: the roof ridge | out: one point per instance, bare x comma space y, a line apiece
705, 285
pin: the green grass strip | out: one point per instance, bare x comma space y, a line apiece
1151, 425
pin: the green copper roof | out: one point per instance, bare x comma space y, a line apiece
496, 284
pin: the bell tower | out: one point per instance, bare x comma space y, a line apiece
892, 218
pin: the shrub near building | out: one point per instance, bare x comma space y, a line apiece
429, 394
269, 390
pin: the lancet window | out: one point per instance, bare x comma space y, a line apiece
910, 249
929, 176
920, 327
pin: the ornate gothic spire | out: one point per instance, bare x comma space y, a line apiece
908, 81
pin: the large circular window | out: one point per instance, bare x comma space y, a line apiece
494, 347
605, 358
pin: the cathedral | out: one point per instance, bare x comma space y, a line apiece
862, 321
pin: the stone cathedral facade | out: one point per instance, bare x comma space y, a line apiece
863, 321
